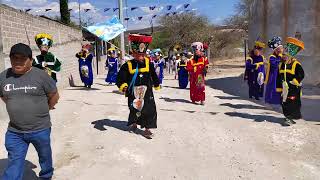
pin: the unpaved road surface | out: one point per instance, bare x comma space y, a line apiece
230, 137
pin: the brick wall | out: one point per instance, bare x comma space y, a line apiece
17, 26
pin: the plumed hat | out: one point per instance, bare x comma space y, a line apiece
275, 42
139, 42
259, 45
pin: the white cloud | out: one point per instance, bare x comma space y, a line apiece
54, 6
38, 7
75, 6
139, 25
218, 20
155, 11
35, 1
95, 15
179, 6
144, 23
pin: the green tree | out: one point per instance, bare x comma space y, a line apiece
64, 12
242, 16
160, 39
183, 29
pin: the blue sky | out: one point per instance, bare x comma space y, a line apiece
215, 10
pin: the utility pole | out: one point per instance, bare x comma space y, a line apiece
79, 14
209, 50
151, 22
122, 34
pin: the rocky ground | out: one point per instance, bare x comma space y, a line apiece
231, 137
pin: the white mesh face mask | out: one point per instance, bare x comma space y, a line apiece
197, 46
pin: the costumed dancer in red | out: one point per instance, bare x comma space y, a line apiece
197, 67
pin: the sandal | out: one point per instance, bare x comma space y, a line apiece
148, 134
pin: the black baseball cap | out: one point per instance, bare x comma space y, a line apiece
21, 49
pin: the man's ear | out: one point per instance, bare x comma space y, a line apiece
30, 60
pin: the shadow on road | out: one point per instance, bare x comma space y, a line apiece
120, 125
234, 86
238, 88
256, 118
173, 87
242, 106
212, 113
100, 124
169, 110
175, 100
189, 111
117, 92
228, 97
29, 174
172, 110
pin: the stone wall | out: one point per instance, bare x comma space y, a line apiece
284, 18
17, 26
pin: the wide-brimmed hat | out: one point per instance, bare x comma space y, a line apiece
294, 46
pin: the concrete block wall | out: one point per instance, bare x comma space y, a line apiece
17, 26
284, 18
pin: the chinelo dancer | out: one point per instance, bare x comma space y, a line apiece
85, 65
255, 71
289, 81
183, 75
136, 79
113, 64
46, 60
271, 95
197, 67
159, 64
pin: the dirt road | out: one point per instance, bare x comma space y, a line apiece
228, 138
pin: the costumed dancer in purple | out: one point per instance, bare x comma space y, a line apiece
271, 95
255, 71
112, 64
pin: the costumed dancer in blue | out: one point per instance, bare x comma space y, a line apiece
112, 63
183, 75
85, 66
271, 95
255, 71
159, 63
